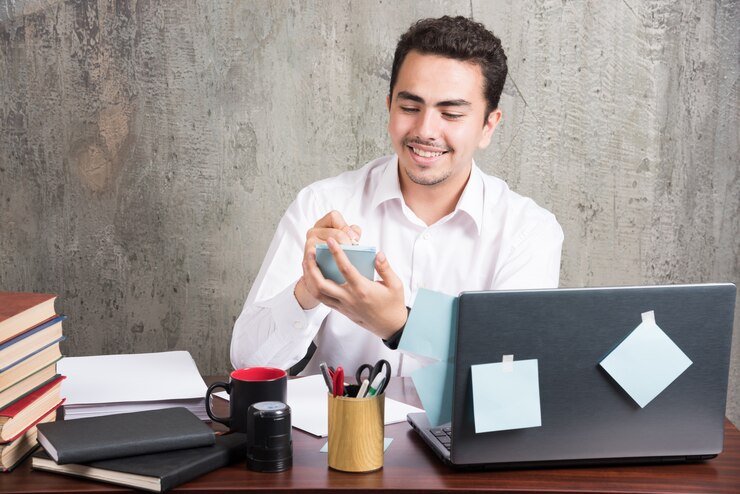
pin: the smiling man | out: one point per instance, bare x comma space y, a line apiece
437, 220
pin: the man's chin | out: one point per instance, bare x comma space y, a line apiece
429, 179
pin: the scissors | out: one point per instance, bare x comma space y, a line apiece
382, 368
337, 378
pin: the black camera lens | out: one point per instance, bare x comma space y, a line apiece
269, 442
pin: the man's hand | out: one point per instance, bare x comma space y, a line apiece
330, 226
377, 306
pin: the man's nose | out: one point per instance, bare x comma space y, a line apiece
428, 125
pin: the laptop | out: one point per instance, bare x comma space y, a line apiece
586, 416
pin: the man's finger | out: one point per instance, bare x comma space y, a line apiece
344, 265
353, 232
383, 267
320, 235
323, 287
332, 219
332, 223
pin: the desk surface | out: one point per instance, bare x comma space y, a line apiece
411, 467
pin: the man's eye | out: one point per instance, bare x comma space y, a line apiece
409, 109
452, 116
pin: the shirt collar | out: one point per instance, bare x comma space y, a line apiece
471, 201
388, 187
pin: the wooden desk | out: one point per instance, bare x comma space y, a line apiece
411, 467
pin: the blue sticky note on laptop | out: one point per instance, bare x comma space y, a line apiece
429, 334
429, 331
506, 395
646, 362
433, 384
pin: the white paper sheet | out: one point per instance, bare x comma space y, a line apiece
97, 384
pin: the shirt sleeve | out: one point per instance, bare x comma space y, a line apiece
534, 259
273, 329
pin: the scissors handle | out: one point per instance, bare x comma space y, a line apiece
361, 370
379, 375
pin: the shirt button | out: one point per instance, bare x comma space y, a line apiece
426, 236
298, 324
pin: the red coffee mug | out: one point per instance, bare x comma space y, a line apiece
245, 387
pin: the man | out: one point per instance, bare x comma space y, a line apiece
438, 222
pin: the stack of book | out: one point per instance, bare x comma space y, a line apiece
30, 387
152, 450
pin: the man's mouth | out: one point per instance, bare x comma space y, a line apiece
426, 154
426, 150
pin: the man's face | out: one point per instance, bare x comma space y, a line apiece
436, 120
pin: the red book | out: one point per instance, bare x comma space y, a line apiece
21, 311
13, 453
18, 417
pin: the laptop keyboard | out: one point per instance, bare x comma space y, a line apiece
443, 435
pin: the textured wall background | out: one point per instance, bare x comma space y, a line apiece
148, 149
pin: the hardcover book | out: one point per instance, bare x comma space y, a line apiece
16, 418
20, 311
27, 384
29, 365
125, 434
14, 452
30, 342
154, 472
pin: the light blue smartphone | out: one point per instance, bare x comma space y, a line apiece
361, 257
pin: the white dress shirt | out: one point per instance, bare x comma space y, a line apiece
495, 239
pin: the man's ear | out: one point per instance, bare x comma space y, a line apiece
388, 102
491, 122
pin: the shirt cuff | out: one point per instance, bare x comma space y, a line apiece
288, 313
393, 341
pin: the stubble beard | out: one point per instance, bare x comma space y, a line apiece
428, 180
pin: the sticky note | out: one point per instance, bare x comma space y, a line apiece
429, 330
433, 384
429, 334
386, 443
646, 362
506, 395
361, 257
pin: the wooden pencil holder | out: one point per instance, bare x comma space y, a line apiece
356, 428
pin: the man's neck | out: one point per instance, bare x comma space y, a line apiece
431, 203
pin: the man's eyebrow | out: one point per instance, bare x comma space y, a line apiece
454, 102
410, 96
418, 99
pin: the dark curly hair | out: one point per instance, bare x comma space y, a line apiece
461, 39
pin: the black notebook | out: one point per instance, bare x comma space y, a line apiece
155, 472
123, 434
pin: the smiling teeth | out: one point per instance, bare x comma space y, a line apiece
426, 154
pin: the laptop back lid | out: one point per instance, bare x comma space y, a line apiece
586, 415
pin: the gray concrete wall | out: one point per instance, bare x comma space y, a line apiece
148, 149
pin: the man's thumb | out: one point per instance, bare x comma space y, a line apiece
383, 267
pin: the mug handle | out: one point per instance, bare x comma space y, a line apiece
211, 388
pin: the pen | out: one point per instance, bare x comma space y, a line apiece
376, 385
327, 376
338, 381
363, 388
